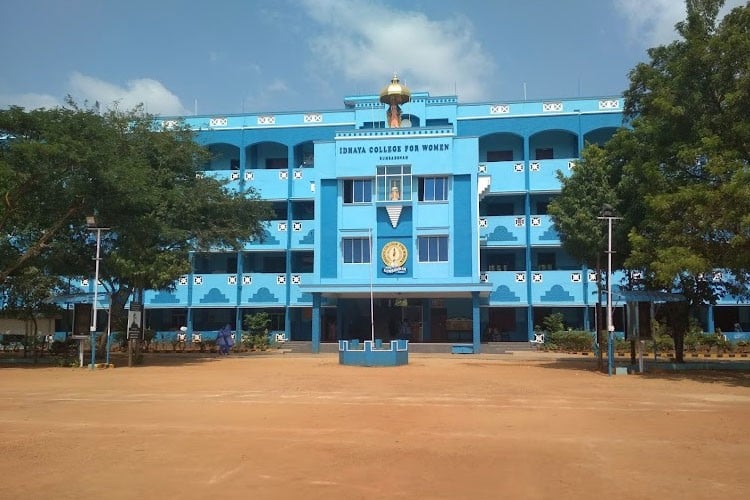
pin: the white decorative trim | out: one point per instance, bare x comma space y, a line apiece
297, 174
218, 122
249, 176
534, 166
267, 120
575, 277
296, 226
482, 222
552, 107
520, 277
499, 109
296, 279
482, 168
537, 277
520, 221
609, 104
536, 222
235, 176
281, 226
85, 282
232, 280
247, 279
518, 167
312, 186
182, 281
197, 280
199, 175
571, 165
593, 277
394, 213
313, 118
283, 175
483, 278
280, 279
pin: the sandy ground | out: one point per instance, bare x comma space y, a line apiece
302, 426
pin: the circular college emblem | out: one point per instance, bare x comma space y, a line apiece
394, 254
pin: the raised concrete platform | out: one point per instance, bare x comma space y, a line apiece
369, 353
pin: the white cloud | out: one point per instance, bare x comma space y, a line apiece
366, 41
651, 22
265, 97
29, 101
277, 86
156, 98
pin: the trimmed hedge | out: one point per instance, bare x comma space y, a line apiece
572, 341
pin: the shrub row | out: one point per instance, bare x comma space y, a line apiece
572, 341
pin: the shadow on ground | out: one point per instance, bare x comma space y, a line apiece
120, 360
729, 373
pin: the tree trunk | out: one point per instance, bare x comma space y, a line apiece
678, 314
119, 299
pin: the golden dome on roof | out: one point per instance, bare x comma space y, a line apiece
395, 92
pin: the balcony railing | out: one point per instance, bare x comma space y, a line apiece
503, 230
543, 173
542, 231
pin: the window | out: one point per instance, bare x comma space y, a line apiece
436, 122
394, 183
504, 155
373, 125
303, 262
356, 250
433, 248
280, 210
433, 188
544, 154
546, 261
357, 191
303, 210
276, 163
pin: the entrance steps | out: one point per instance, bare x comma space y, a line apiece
299, 346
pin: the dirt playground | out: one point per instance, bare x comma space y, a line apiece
283, 426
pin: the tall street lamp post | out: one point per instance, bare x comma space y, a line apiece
607, 214
91, 225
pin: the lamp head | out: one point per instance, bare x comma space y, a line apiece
607, 210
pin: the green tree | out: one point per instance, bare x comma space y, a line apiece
690, 124
58, 166
575, 213
680, 170
257, 326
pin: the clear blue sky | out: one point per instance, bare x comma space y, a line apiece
230, 56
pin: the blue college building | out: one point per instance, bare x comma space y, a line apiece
426, 214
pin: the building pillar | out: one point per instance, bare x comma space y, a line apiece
426, 320
527, 216
189, 316
316, 300
710, 325
476, 327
